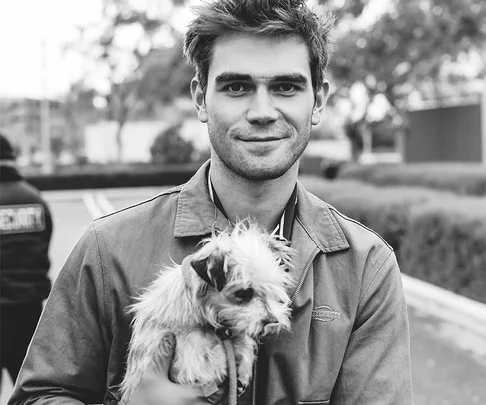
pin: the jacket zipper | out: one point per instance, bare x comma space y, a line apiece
292, 299
253, 382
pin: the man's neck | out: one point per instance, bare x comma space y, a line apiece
262, 201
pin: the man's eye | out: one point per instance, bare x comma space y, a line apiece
237, 87
286, 88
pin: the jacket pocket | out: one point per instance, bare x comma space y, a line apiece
326, 402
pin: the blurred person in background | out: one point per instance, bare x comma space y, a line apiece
25, 234
260, 87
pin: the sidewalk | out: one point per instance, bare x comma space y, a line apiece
463, 312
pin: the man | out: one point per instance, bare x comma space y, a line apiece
260, 88
25, 233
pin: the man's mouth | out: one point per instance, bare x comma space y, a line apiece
268, 134
261, 139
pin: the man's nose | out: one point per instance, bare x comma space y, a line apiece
262, 109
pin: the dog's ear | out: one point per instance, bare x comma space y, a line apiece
211, 270
200, 267
216, 272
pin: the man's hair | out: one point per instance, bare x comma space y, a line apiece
266, 17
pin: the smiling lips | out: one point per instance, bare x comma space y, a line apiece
260, 139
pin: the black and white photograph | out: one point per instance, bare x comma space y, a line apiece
243, 202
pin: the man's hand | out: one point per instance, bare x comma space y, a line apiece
155, 388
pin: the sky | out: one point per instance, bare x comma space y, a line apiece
30, 69
24, 24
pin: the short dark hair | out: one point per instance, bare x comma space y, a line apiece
267, 17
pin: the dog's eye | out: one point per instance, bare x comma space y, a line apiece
245, 294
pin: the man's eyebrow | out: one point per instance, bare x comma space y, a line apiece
231, 77
292, 77
242, 77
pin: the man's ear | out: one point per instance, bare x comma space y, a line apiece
199, 99
320, 102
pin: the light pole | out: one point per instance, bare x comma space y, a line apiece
45, 119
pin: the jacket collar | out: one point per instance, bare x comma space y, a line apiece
315, 216
197, 215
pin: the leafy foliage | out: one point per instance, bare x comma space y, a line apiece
408, 49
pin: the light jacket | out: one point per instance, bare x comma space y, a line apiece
349, 342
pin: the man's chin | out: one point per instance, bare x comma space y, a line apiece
262, 173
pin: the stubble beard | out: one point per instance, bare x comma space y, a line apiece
242, 168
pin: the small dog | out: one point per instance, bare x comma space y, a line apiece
237, 282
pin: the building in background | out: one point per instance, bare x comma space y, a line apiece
448, 133
20, 118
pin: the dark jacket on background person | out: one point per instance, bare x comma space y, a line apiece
25, 233
349, 342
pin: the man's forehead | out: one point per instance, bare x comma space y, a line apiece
260, 56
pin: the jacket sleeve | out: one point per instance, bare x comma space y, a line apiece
376, 366
67, 359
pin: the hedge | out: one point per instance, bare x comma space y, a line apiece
96, 176
460, 178
439, 237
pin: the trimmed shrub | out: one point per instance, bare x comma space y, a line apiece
447, 246
460, 178
118, 176
438, 237
170, 147
387, 209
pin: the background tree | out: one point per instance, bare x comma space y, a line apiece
414, 48
165, 75
126, 48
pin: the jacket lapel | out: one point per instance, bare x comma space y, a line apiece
196, 213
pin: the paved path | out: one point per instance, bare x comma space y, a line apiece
448, 361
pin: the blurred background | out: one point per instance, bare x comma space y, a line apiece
95, 96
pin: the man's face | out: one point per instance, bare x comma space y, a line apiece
259, 104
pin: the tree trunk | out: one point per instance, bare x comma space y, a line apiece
119, 140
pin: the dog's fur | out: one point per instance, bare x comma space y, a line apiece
245, 293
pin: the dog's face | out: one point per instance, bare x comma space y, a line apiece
241, 281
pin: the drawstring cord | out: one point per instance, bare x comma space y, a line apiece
231, 360
225, 335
